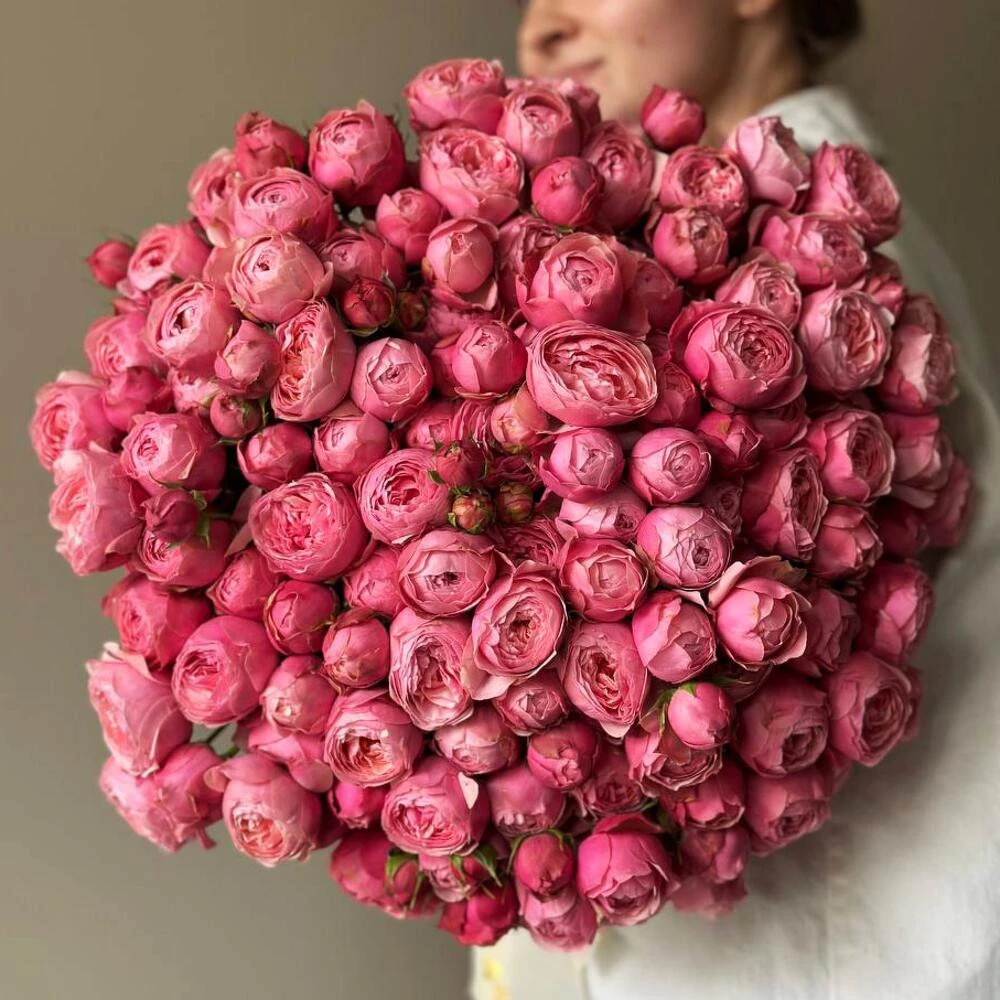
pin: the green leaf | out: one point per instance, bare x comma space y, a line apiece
435, 477
396, 860
486, 855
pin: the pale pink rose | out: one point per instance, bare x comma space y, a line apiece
358, 808
371, 585
210, 190
298, 697
483, 919
533, 704
763, 283
701, 715
626, 164
847, 543
488, 359
582, 463
302, 755
360, 253
822, 250
134, 391
688, 547
717, 803
856, 458
392, 379
668, 465
567, 191
671, 119
194, 563
244, 586
602, 580
832, 625
261, 144
604, 677
920, 376
446, 572
659, 759
947, 521
398, 499
924, 457
348, 442
780, 810
563, 756
280, 453
356, 650
539, 124
108, 262
521, 804
425, 668
297, 615
95, 508
783, 503
165, 253
69, 416
309, 529
357, 154
114, 344
783, 426
456, 92
777, 168
692, 243
269, 816
437, 810
480, 744
895, 605
523, 242
544, 865
173, 451
698, 177
518, 422
609, 790
471, 174
731, 440
460, 261
848, 183
282, 201
359, 864
406, 218
274, 276
674, 637
171, 806
709, 899
615, 515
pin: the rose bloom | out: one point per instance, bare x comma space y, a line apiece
523, 242
625, 872
437, 810
688, 547
696, 177
783, 503
164, 253
626, 164
668, 465
471, 174
521, 804
920, 376
731, 439
847, 543
674, 637
309, 529
947, 520
722, 498
210, 189
171, 806
764, 283
671, 119
759, 615
783, 426
446, 572
152, 621
534, 704
849, 183
356, 807
544, 865
692, 243
895, 606
480, 744
609, 790
114, 344
317, 360
855, 454
589, 376
615, 515
348, 442
356, 650
822, 250
278, 454
69, 416
603, 580
263, 144
482, 919
398, 499
539, 124
194, 563
604, 677
717, 856
567, 192
924, 457
583, 463
740, 356
563, 757
298, 697
108, 262
297, 614
456, 92
777, 168
658, 758
406, 218
518, 422
274, 276
173, 450
282, 200
357, 154
780, 810
358, 866
233, 418
459, 263
832, 625
678, 402
135, 391
536, 540
269, 816
191, 393
701, 715
717, 803
94, 507
425, 668
360, 253
488, 359
140, 720
372, 585
392, 379
301, 755
369, 740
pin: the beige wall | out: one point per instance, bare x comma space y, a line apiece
105, 107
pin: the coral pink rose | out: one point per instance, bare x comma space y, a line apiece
460, 261
488, 359
847, 543
582, 463
194, 563
626, 164
603, 580
717, 803
456, 92
298, 697
697, 177
297, 614
731, 439
717, 856
614, 515
359, 253
674, 637
166, 451
165, 253
114, 344
533, 704
406, 218
777, 168
108, 262
668, 465
544, 864
446, 572
69, 416
244, 586
359, 866
392, 379
282, 201
609, 790
398, 499
692, 243
523, 242
210, 189
539, 124
349, 442
832, 625
671, 119
563, 756
480, 744
372, 585
482, 919
302, 755
567, 192
822, 250
356, 650
924, 457
658, 758
688, 547
263, 144
278, 454
701, 715
780, 810
134, 391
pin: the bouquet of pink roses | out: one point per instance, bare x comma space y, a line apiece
535, 521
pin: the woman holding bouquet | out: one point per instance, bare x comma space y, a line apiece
896, 897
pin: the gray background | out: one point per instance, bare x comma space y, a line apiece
106, 107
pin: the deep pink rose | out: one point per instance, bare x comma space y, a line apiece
698, 177
610, 789
847, 543
114, 344
398, 499
244, 586
191, 393
544, 864
360, 253
194, 563
780, 810
659, 759
456, 92
482, 919
777, 168
895, 605
69, 416
567, 192
614, 515
740, 682
822, 250
783, 426
671, 119
406, 218
480, 744
368, 305
166, 451
282, 200
688, 547
856, 458
533, 704
626, 164
563, 756
536, 540
674, 637
108, 262
722, 498
233, 418
731, 439
948, 519
280, 453
372, 584
488, 359
356, 650
924, 457
524, 241
717, 803
582, 463
693, 244
301, 755
132, 392
174, 515
563, 922
832, 625
717, 856
210, 190
358, 808
446, 572
603, 580
164, 253
763, 283
708, 899
298, 697
460, 262
358, 866
349, 442
261, 144
392, 379
701, 715
884, 283
297, 615
520, 803
539, 124
668, 465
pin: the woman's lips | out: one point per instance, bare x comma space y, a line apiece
581, 72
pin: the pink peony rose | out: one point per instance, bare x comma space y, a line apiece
297, 614
948, 519
567, 191
301, 755
174, 515
132, 392
406, 218
488, 359
263, 144
282, 201
278, 454
698, 177
723, 498
114, 344
456, 92
482, 919
523, 242
717, 856
924, 458
763, 283
626, 164
398, 499
782, 426
446, 572
165, 253
480, 744
108, 262
832, 625
534, 704
359, 865
544, 865
233, 418
717, 803
668, 465
563, 756
692, 243
359, 253
518, 422
539, 124
615, 515
244, 586
822, 250
701, 715
731, 440
659, 759
392, 379
165, 451
855, 454
671, 119
348, 442
356, 650
582, 464
609, 790
777, 168
847, 543
460, 261
210, 190
297, 697
602, 580
69, 416
371, 585
780, 810
191, 393
356, 807
521, 804
895, 606
674, 637
194, 563
689, 548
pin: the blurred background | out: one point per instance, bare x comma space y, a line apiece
107, 106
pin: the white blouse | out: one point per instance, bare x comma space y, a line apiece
898, 895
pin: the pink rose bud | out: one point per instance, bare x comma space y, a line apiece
392, 379
674, 637
398, 498
471, 174
717, 803
731, 440
567, 192
190, 324
356, 650
171, 806
357, 154
582, 463
849, 184
947, 520
669, 465
692, 243
539, 124
534, 704
763, 283
263, 144
488, 359
297, 615
895, 607
698, 177
460, 463
847, 543
472, 512
626, 164
173, 450
368, 304
210, 189
625, 871
244, 586
269, 816
317, 359
222, 670
521, 804
233, 418
437, 810
564, 921
274, 276
369, 740
194, 563
165, 253
371, 585
480, 744
456, 92
689, 548
358, 808
282, 200
108, 262
777, 168
134, 391
563, 757
604, 677
446, 572
518, 422
359, 864
483, 919
602, 580
544, 864
360, 253
348, 442
297, 697
780, 810
759, 616
406, 218
609, 790
671, 119
719, 856
855, 454
822, 250
614, 515
280, 453
783, 503
114, 344
174, 515
924, 458
920, 376
621, 383
459, 263
701, 715
69, 416
309, 529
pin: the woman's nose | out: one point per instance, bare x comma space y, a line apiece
546, 25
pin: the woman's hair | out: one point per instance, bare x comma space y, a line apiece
824, 27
